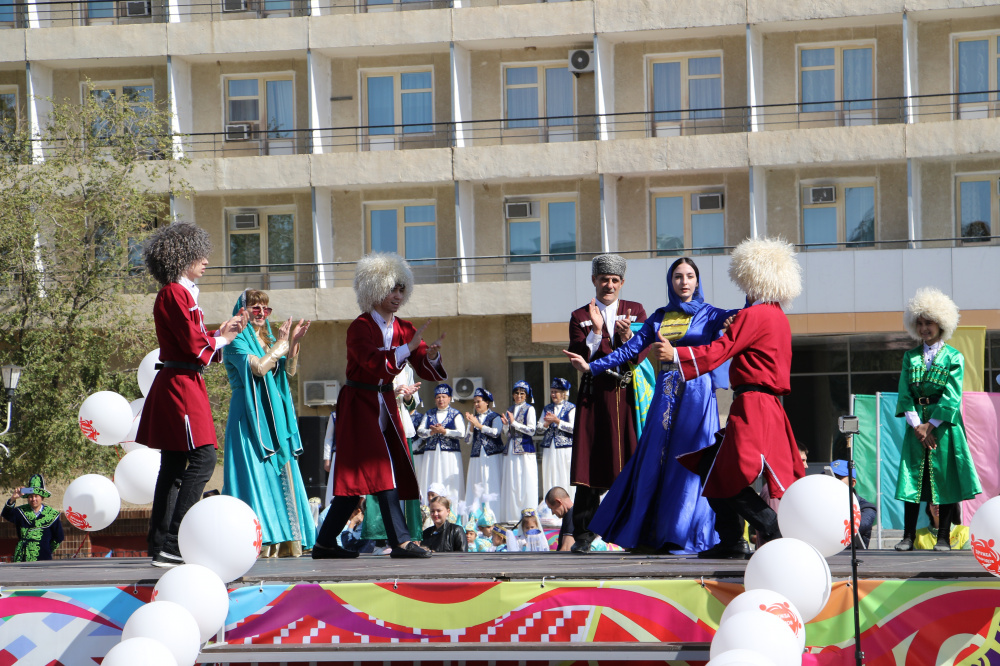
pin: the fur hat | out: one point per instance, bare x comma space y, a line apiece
376, 274
608, 264
931, 303
766, 269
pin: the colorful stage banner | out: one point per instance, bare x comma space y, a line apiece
904, 622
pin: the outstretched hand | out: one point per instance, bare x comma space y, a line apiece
577, 361
662, 349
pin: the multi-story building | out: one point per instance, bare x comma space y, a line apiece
499, 145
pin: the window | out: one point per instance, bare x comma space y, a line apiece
838, 80
137, 94
977, 77
257, 237
261, 107
397, 104
8, 109
838, 213
684, 89
977, 206
100, 11
11, 14
540, 96
414, 223
689, 220
542, 225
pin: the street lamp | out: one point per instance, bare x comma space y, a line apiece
11, 375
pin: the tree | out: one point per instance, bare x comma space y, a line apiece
72, 310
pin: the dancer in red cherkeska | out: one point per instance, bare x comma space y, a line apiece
373, 457
758, 437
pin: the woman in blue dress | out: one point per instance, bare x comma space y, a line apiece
262, 433
655, 502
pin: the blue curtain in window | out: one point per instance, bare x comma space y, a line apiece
858, 83
562, 230
973, 70
100, 9
384, 231
8, 11
817, 85
280, 109
558, 96
522, 103
976, 214
705, 93
525, 240
707, 233
859, 215
666, 91
417, 107
669, 225
243, 110
419, 240
381, 111
819, 225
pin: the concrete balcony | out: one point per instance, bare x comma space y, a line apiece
529, 23
120, 42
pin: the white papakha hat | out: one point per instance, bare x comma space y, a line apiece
931, 303
766, 269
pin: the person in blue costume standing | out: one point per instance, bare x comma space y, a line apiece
262, 433
655, 502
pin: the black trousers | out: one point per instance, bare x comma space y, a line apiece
343, 506
188, 472
584, 507
746, 504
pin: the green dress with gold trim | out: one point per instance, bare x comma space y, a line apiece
953, 475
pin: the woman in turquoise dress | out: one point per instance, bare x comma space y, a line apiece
655, 502
262, 433
935, 464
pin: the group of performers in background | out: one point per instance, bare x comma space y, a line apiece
649, 443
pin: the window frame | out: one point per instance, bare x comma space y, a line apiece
117, 86
260, 134
263, 212
7, 90
541, 393
992, 102
543, 201
401, 225
687, 119
543, 127
991, 177
840, 114
19, 10
686, 194
841, 185
398, 134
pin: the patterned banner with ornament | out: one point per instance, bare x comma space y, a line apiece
904, 622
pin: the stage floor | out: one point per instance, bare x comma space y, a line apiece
610, 566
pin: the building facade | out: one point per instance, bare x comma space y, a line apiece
499, 145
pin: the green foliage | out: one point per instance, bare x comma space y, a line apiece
74, 298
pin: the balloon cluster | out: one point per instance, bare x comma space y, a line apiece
787, 580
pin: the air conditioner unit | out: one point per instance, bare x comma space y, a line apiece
465, 387
322, 392
707, 201
244, 221
238, 131
519, 209
234, 5
134, 8
821, 195
581, 60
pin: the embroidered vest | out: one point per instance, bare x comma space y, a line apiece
480, 440
553, 435
442, 442
518, 443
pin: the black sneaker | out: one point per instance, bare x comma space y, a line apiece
410, 550
333, 552
721, 551
166, 559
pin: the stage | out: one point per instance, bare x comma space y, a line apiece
922, 608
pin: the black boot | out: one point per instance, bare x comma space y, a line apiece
729, 526
946, 514
911, 510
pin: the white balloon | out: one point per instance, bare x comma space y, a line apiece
170, 624
135, 475
147, 371
139, 651
741, 657
814, 510
793, 568
757, 631
221, 533
136, 407
200, 591
91, 502
984, 535
105, 418
770, 602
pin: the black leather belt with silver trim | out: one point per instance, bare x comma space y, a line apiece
178, 365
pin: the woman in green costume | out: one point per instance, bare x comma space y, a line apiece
935, 464
39, 531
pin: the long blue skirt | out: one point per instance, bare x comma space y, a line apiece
655, 501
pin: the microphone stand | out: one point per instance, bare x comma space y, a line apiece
859, 655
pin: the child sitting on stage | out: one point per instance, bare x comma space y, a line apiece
504, 540
532, 537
